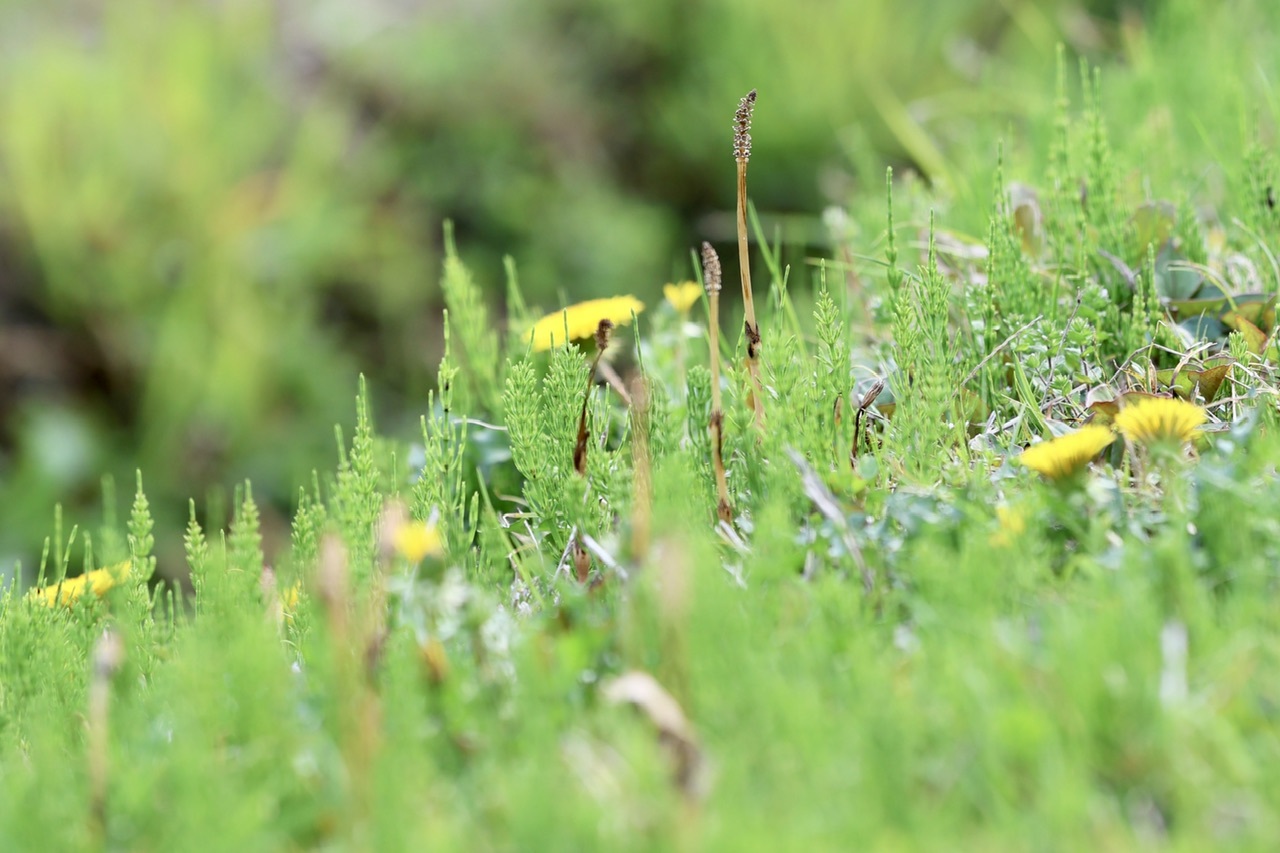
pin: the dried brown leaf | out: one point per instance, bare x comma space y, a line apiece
674, 730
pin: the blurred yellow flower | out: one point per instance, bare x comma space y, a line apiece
289, 599
1147, 420
70, 590
682, 295
1011, 522
436, 660
582, 321
1061, 457
416, 540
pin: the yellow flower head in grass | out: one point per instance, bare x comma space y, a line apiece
1152, 420
289, 599
582, 321
72, 590
1063, 456
1011, 523
682, 295
416, 540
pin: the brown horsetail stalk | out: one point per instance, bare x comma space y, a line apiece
711, 279
581, 559
580, 447
868, 399
751, 327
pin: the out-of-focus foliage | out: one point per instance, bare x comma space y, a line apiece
212, 215
198, 233
895, 632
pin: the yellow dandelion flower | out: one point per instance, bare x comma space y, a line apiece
582, 321
71, 590
1063, 456
289, 598
1011, 523
682, 295
436, 660
67, 592
416, 540
1148, 420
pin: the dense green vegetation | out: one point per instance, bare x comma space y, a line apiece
214, 216
986, 559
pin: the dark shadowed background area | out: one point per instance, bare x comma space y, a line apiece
215, 215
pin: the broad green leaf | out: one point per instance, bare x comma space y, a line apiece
1101, 401
1258, 308
1176, 282
1153, 223
1203, 327
1255, 338
1180, 382
1210, 380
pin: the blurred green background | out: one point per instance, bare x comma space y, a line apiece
213, 216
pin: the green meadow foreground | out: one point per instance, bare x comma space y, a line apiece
949, 542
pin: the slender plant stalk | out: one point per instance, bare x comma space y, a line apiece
711, 279
358, 710
582, 559
867, 400
108, 655
751, 326
580, 447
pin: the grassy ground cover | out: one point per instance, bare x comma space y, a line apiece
946, 540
